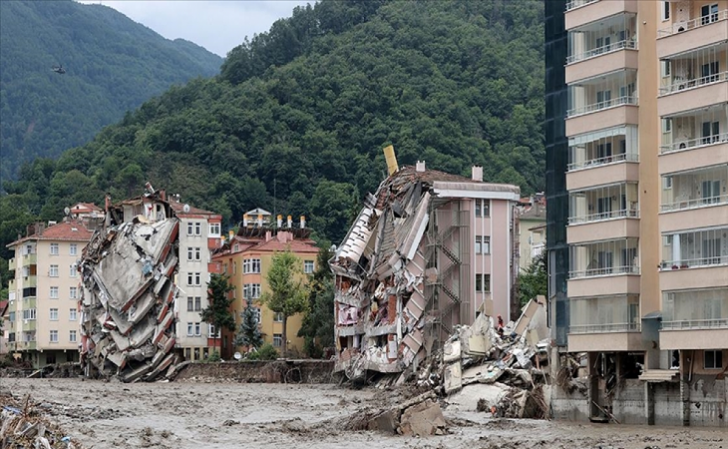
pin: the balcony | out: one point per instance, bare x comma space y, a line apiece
603, 213
602, 102
699, 28
702, 189
694, 319
605, 323
27, 345
581, 12
695, 249
30, 259
11, 263
29, 282
693, 94
29, 325
605, 258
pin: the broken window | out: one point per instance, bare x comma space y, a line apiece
277, 340
54, 292
713, 359
54, 249
54, 336
72, 336
53, 271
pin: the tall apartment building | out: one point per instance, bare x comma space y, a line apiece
43, 325
637, 145
199, 236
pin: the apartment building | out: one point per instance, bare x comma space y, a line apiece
531, 213
637, 167
247, 256
43, 318
199, 236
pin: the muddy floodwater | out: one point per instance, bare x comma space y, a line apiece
175, 415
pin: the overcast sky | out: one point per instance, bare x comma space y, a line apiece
216, 25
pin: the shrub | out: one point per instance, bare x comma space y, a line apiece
266, 352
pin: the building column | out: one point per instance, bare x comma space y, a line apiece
593, 384
650, 403
685, 367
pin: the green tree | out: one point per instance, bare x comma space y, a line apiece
287, 293
218, 311
534, 281
317, 327
249, 334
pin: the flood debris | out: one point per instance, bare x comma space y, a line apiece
129, 292
22, 425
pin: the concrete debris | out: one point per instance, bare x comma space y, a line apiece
23, 426
129, 294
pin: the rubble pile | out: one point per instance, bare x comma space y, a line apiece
22, 426
128, 302
494, 367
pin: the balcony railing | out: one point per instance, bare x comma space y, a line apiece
629, 157
694, 263
694, 143
601, 328
687, 84
603, 105
695, 203
577, 3
630, 44
602, 216
30, 259
607, 271
694, 324
698, 22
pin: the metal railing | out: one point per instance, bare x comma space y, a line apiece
629, 157
688, 84
721, 259
603, 105
603, 216
680, 27
629, 44
600, 328
695, 203
606, 271
694, 324
577, 3
694, 143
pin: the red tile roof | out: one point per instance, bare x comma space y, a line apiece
73, 231
85, 207
177, 207
3, 307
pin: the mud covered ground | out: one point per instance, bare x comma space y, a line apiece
232, 415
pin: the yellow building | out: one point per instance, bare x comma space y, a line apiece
246, 258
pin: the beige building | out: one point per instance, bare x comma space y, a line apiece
531, 230
647, 129
43, 324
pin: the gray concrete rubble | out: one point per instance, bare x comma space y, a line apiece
23, 426
129, 293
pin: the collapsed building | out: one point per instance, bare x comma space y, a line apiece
128, 296
428, 251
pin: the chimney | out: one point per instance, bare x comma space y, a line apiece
290, 222
231, 233
303, 221
279, 222
420, 166
246, 218
260, 220
268, 236
477, 173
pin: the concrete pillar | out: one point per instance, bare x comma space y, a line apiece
650, 403
686, 359
593, 379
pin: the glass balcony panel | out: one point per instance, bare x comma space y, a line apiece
693, 69
693, 189
604, 147
610, 90
695, 129
708, 14
695, 309
604, 203
597, 38
605, 314
607, 258
708, 247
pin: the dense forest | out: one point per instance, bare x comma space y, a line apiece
112, 64
298, 116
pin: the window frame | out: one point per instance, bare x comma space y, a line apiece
715, 352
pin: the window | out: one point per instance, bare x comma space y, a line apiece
71, 314
709, 72
190, 228
54, 249
604, 97
667, 182
73, 248
308, 266
713, 359
198, 303
29, 314
211, 330
29, 249
54, 292
482, 208
665, 65
54, 336
72, 336
198, 230
54, 314
482, 244
190, 303
73, 292
710, 133
277, 340
709, 14
278, 317
711, 191
197, 329
482, 283
214, 230
53, 271
190, 329
193, 253
11, 317
73, 270
251, 291
251, 266
256, 311
193, 278
665, 11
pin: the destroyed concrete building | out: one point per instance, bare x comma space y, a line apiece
429, 250
129, 294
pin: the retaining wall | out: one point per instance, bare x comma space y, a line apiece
278, 371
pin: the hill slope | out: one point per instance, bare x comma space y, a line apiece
303, 112
113, 65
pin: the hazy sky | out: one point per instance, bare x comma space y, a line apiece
216, 25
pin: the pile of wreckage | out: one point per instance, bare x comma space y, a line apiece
128, 296
493, 367
23, 426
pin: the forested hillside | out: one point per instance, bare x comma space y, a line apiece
302, 113
112, 64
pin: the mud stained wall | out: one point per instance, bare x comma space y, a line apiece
628, 405
708, 401
567, 406
668, 406
308, 371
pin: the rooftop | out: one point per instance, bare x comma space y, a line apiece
70, 230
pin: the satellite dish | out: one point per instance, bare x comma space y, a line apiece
67, 210
238, 356
186, 208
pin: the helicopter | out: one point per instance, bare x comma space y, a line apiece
59, 69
